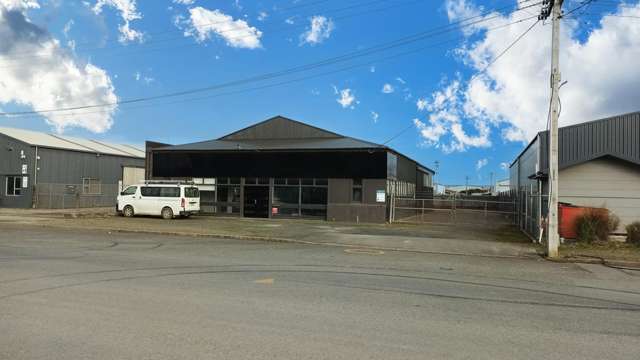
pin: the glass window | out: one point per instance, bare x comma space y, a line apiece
170, 191
191, 192
314, 195
228, 194
321, 182
222, 180
307, 181
293, 181
131, 190
91, 186
356, 193
285, 195
280, 181
14, 185
263, 181
150, 191
234, 180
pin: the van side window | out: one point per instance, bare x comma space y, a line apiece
150, 191
170, 192
191, 192
131, 190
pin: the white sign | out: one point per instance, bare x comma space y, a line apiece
25, 182
380, 196
24, 169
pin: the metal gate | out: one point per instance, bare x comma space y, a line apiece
456, 209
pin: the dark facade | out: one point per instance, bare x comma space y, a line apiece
284, 168
36, 163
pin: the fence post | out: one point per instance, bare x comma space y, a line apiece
422, 216
485, 211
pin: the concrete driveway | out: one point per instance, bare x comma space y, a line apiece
80, 294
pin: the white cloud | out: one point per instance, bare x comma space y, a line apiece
52, 78
445, 118
20, 4
128, 12
372, 69
203, 23
290, 20
421, 104
346, 98
481, 163
262, 16
401, 80
184, 2
504, 166
374, 116
513, 95
387, 88
320, 29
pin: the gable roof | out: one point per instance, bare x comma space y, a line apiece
53, 141
281, 133
280, 127
617, 136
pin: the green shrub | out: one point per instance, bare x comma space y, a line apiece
633, 232
593, 225
614, 222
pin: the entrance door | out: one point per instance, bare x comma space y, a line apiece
256, 201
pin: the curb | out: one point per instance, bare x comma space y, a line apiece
531, 256
586, 259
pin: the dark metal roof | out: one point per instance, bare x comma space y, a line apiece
281, 133
616, 136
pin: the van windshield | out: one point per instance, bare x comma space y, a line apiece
191, 192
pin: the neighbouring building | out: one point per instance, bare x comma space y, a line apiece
284, 168
55, 171
599, 166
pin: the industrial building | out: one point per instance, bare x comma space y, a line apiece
599, 166
284, 168
55, 171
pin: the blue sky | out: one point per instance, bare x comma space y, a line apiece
106, 50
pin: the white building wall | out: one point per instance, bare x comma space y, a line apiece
605, 182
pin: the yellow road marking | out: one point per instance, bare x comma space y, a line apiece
268, 281
364, 251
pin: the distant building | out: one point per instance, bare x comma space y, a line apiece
599, 166
54, 171
502, 186
284, 168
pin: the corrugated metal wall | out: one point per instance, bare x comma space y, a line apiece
618, 136
11, 164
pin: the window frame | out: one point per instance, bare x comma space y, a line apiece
356, 186
87, 186
17, 190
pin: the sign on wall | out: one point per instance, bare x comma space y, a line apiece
24, 169
380, 196
25, 182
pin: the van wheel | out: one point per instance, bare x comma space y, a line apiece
128, 211
167, 213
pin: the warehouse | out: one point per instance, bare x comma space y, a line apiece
284, 168
599, 166
55, 171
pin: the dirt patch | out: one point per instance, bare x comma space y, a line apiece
607, 250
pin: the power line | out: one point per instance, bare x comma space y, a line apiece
205, 26
330, 61
476, 75
300, 79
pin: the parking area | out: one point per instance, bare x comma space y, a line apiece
438, 238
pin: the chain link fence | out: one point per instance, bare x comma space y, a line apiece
495, 210
71, 196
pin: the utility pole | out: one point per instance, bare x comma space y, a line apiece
553, 8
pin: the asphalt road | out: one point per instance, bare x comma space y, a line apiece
94, 295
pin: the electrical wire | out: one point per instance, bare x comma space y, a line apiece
287, 82
476, 75
330, 61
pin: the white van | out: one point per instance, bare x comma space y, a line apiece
165, 199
